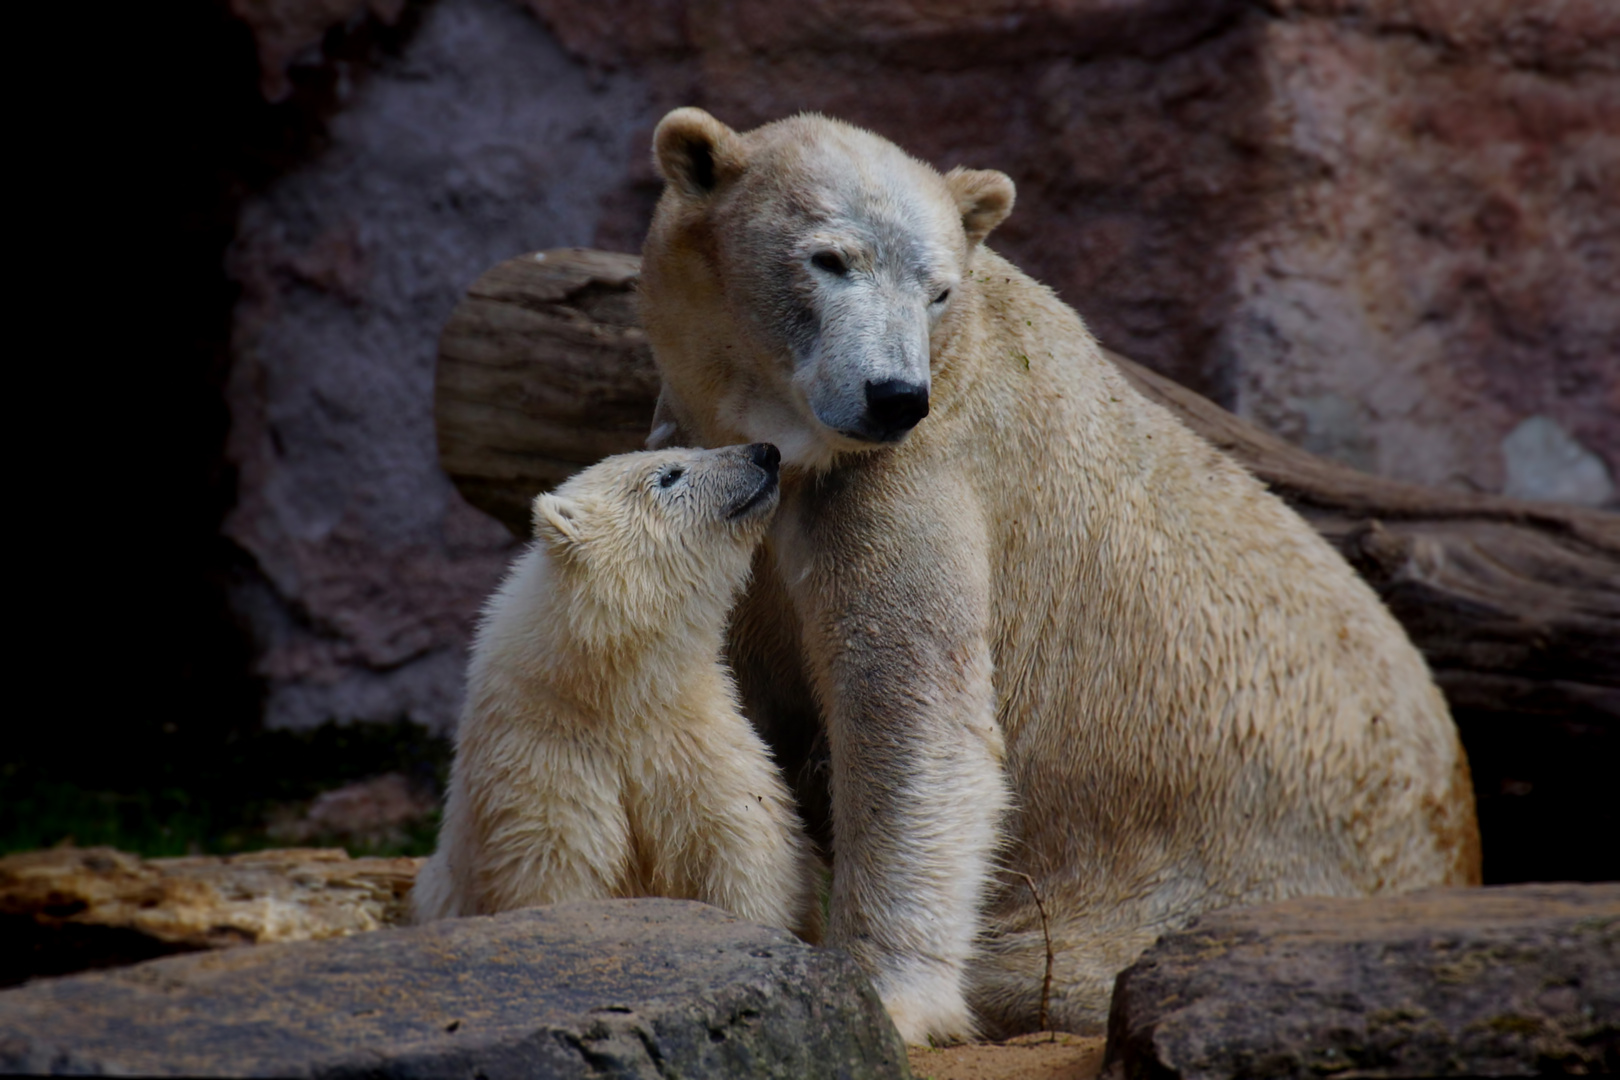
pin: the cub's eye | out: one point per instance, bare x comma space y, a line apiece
830, 261
670, 477
942, 297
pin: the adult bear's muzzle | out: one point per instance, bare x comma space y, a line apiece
893, 407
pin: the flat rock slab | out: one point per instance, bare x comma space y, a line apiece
68, 909
1511, 981
625, 988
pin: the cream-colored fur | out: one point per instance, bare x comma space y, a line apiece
1050, 630
601, 753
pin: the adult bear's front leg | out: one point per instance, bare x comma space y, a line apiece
894, 601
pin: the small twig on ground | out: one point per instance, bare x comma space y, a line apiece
1046, 932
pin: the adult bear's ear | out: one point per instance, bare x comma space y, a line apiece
984, 197
667, 430
694, 151
557, 524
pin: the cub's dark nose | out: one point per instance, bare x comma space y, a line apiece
765, 456
894, 406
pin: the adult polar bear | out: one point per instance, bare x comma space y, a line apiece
1048, 629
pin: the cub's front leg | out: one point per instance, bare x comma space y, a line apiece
897, 632
721, 826
543, 819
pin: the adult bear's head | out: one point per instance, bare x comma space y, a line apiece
797, 277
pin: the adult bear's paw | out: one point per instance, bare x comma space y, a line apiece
926, 1014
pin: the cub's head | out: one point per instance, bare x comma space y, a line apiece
797, 276
657, 541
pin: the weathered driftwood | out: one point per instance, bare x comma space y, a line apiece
543, 369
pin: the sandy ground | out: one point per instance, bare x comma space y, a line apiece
1046, 1056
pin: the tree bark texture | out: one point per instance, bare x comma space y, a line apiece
544, 369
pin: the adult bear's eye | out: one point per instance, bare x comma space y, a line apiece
830, 261
670, 477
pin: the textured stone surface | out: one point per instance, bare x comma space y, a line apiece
1495, 982
1543, 462
68, 909
362, 814
633, 988
482, 138
288, 30
1441, 258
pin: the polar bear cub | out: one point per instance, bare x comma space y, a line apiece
601, 752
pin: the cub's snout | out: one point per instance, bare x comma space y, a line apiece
893, 407
762, 497
766, 456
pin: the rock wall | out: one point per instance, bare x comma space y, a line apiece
480, 138
1388, 230
1436, 294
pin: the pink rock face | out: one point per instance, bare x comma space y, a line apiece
1442, 263
367, 570
286, 29
1388, 230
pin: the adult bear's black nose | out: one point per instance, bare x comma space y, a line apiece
894, 406
765, 456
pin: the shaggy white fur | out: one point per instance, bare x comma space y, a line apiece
1041, 623
601, 753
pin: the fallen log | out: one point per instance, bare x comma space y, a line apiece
544, 369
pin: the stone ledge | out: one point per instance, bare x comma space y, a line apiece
1513, 981
65, 909
623, 988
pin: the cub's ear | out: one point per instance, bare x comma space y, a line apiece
984, 197
694, 151
557, 523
